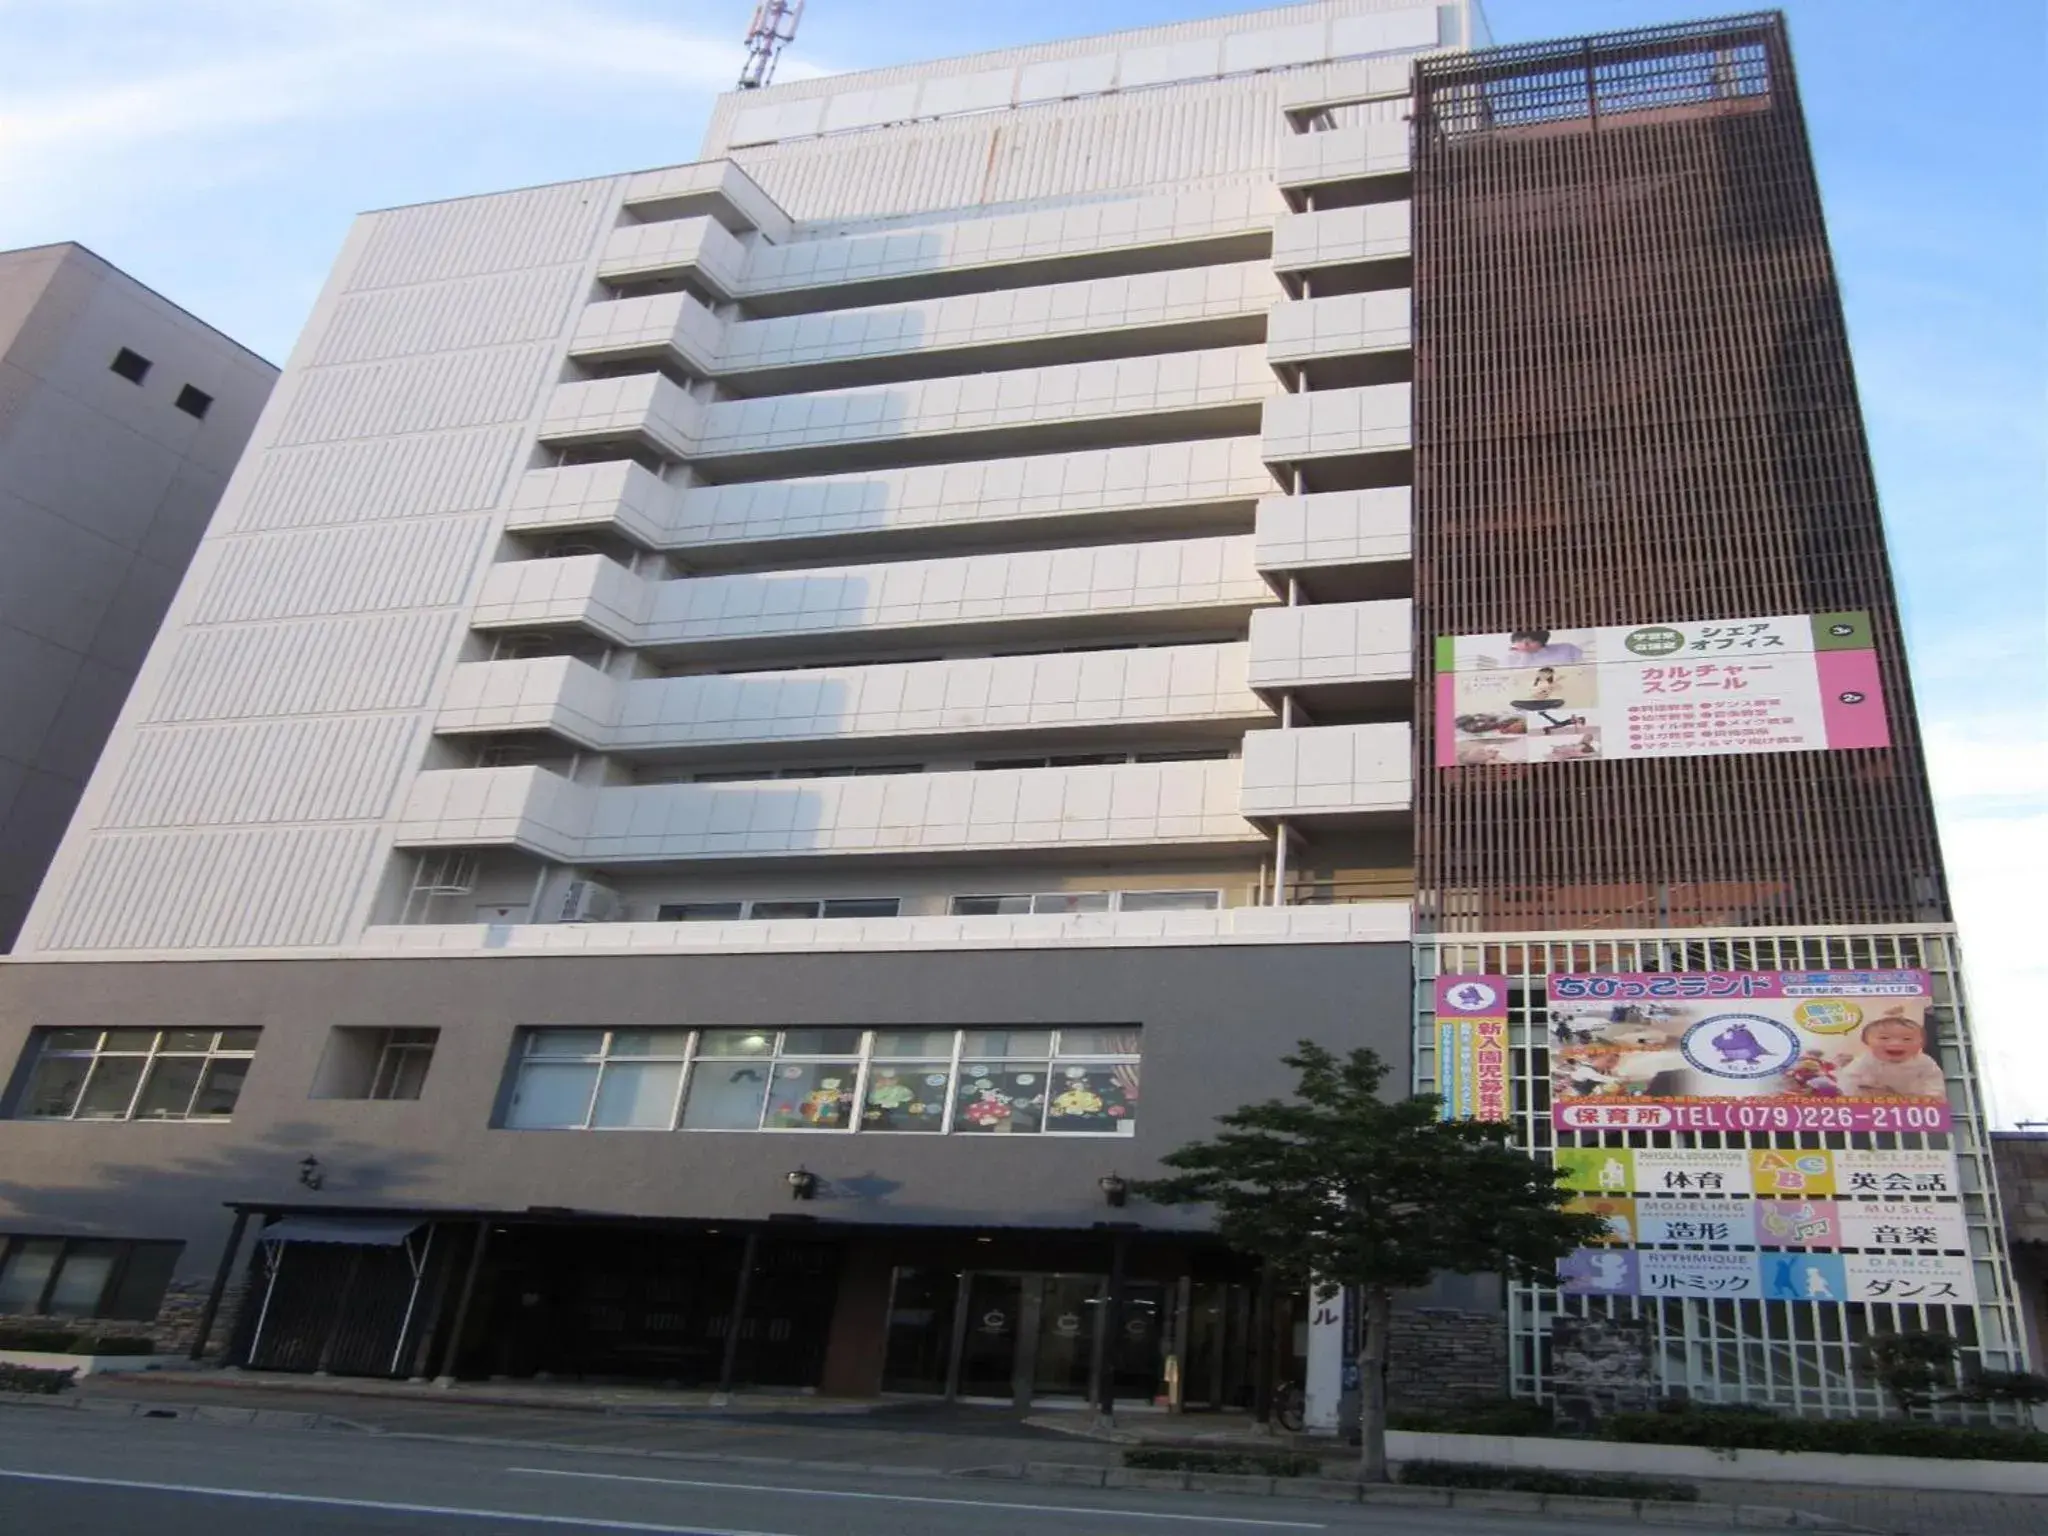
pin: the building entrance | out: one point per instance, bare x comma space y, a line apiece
1034, 1336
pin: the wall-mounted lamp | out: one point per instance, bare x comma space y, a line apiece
1114, 1190
803, 1184
309, 1172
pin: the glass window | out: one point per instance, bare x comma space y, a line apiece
110, 1091
1070, 901
700, 912
139, 1292
990, 906
726, 1092
638, 1095
1007, 1043
1169, 901
1081, 1080
812, 1095
141, 1074
906, 1095
864, 906
736, 1042
768, 911
552, 1096
173, 1080
85, 1277
1093, 1098
30, 1263
82, 1278
402, 1062
1000, 1098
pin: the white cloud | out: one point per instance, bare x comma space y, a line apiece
1990, 776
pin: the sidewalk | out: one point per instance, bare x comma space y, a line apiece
890, 1436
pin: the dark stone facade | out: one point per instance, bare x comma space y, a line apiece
1439, 1357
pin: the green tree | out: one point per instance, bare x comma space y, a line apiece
1341, 1187
1915, 1366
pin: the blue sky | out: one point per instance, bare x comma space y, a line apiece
218, 148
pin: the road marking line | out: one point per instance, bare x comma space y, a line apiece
585, 1522
913, 1498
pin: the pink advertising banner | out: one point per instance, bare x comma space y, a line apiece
1789, 683
1745, 1051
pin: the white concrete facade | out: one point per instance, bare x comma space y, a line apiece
969, 440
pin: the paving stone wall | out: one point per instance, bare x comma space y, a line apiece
1438, 1357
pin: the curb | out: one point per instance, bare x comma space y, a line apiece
1407, 1496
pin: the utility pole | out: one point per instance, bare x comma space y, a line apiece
774, 25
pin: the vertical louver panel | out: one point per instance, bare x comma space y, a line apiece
1634, 404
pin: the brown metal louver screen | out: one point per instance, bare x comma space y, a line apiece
1634, 404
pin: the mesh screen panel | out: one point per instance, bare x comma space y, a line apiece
1634, 404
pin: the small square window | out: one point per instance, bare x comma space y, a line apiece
369, 1063
132, 366
193, 402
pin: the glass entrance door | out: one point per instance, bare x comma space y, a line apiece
1070, 1307
988, 1344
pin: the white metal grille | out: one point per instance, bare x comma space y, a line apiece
1797, 1356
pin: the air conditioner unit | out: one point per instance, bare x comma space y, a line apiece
585, 901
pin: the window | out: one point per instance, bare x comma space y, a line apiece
599, 1079
1054, 902
375, 1063
194, 402
1169, 901
138, 1074
764, 911
132, 366
1081, 1081
84, 1277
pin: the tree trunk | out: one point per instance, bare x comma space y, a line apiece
1372, 1385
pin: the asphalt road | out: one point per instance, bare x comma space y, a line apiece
83, 1475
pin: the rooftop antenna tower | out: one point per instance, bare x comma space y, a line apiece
774, 25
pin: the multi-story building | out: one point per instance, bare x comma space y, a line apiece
121, 417
900, 663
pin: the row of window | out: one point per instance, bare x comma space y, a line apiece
496, 757
134, 367
961, 1081
1010, 904
970, 1081
84, 1277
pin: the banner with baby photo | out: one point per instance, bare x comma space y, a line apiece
1788, 683
1745, 1051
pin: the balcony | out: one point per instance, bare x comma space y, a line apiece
1102, 693
1309, 161
1153, 805
1150, 487
1378, 922
1185, 310
1321, 246
1095, 590
583, 591
1067, 322
618, 496
1336, 655
1337, 546
656, 328
1342, 342
1026, 410
715, 189
1330, 775
1327, 431
700, 248
1011, 250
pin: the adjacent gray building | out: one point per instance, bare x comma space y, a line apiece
121, 417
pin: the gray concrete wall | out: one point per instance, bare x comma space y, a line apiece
1215, 1023
105, 489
